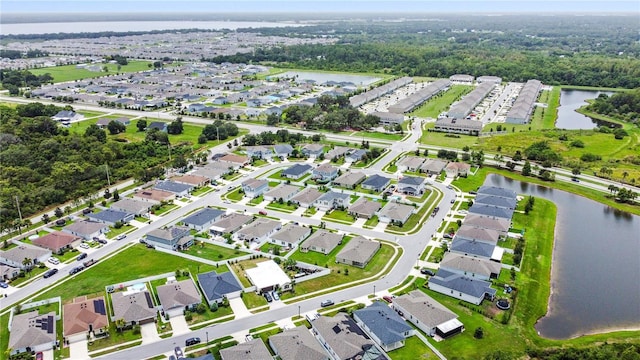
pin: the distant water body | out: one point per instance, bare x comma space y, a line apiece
124, 26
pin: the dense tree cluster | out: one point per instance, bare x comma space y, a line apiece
44, 164
12, 80
621, 105
623, 351
271, 138
16, 54
330, 113
541, 151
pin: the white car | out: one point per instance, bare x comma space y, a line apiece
54, 261
84, 246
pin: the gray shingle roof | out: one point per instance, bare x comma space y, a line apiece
412, 181
250, 350
499, 224
472, 247
479, 234
466, 285
203, 216
470, 264
296, 170
283, 149
363, 206
359, 249
322, 239
493, 200
296, 344
489, 210
19, 253
108, 215
497, 191
349, 178
173, 187
131, 206
84, 227
178, 294
215, 285
344, 336
308, 195
31, 329
290, 233
424, 308
282, 191
376, 181
133, 307
382, 321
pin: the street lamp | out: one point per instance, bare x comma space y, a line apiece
298, 311
206, 332
374, 290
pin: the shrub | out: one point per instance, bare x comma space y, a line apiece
577, 144
478, 333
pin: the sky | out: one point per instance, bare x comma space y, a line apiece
314, 6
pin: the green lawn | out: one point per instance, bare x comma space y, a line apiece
339, 216
202, 190
421, 198
378, 135
124, 266
413, 349
284, 207
234, 195
442, 101
253, 300
165, 209
371, 223
414, 220
70, 73
256, 201
448, 140
113, 232
210, 315
213, 252
115, 337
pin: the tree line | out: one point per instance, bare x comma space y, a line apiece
13, 80
623, 106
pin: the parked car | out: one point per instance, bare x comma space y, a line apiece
102, 241
50, 273
326, 303
121, 236
192, 341
39, 355
387, 298
151, 246
95, 238
426, 271
473, 192
76, 270
81, 256
178, 352
447, 236
262, 212
453, 201
85, 246
575, 179
141, 241
275, 295
3, 285
268, 297
54, 261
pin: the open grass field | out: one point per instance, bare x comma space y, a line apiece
124, 266
413, 349
278, 70
439, 138
441, 102
213, 252
70, 73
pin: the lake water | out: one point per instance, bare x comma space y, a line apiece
124, 26
596, 265
360, 80
570, 100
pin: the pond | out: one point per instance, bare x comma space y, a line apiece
570, 100
595, 271
321, 78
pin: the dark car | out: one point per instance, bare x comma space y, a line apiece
76, 270
50, 273
426, 271
81, 256
192, 341
178, 352
575, 180
447, 236
102, 241
268, 297
473, 192
151, 246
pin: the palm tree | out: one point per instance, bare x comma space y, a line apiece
27, 264
624, 175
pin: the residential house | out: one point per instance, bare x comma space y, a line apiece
387, 118
135, 307
451, 124
333, 200
179, 189
433, 166
473, 248
202, 219
86, 229
376, 183
84, 317
354, 155
307, 197
325, 173
283, 191
67, 116
251, 350
497, 191
410, 163
177, 296
216, 287
337, 152
110, 217
211, 172
31, 332
412, 185
321, 241
290, 236
428, 315
229, 224
364, 208
191, 179
259, 152
234, 161
253, 188
274, 110
313, 150
383, 325
57, 241
15, 257
394, 212
491, 211
161, 126
461, 287
344, 339
296, 171
358, 252
471, 233
131, 206
454, 169
171, 238
500, 225
268, 276
503, 202
349, 179
296, 344
8, 272
474, 267
283, 151
154, 196
258, 231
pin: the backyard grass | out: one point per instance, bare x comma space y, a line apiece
213, 252
442, 101
239, 268
413, 349
253, 300
420, 199
120, 268
70, 73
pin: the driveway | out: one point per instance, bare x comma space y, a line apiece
318, 215
359, 222
179, 325
78, 350
380, 227
48, 355
239, 308
299, 211
149, 333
